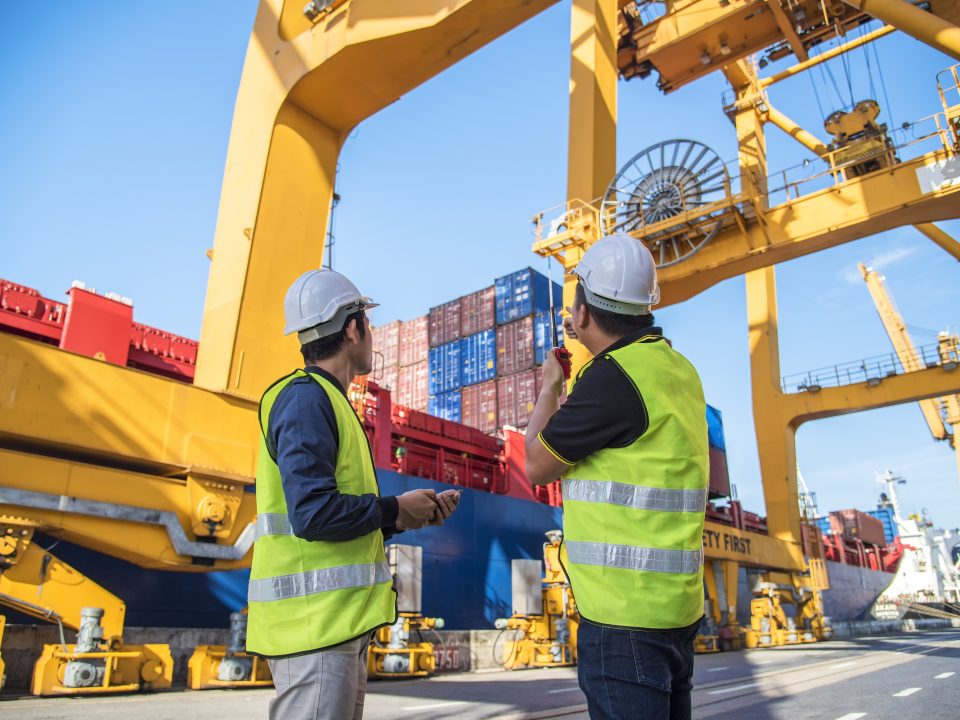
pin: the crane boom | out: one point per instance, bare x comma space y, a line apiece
905, 349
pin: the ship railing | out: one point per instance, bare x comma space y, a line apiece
870, 371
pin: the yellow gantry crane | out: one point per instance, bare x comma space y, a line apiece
157, 472
942, 414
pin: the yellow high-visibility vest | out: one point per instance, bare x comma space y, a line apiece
308, 595
633, 516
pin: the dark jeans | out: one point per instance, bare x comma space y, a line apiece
636, 674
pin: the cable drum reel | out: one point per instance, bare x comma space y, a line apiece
667, 180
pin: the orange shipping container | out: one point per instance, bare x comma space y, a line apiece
413, 345
478, 406
412, 390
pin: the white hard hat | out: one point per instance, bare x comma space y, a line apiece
618, 274
318, 303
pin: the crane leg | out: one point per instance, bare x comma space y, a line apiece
37, 583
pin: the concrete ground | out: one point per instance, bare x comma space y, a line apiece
893, 677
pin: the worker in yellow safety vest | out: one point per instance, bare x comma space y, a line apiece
630, 443
320, 584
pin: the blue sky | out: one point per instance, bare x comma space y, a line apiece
113, 137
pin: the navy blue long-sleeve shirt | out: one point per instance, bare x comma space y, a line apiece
304, 440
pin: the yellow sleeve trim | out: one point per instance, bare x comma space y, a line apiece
553, 452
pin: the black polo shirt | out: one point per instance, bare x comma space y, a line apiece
604, 410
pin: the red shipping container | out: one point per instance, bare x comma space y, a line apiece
478, 406
412, 386
516, 397
444, 323
515, 347
386, 342
719, 476
856, 525
413, 346
478, 311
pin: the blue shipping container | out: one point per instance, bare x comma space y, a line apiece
885, 515
478, 357
445, 405
541, 334
824, 524
715, 429
444, 366
524, 292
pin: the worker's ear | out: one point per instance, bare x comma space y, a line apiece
351, 331
582, 315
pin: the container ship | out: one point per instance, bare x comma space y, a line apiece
446, 404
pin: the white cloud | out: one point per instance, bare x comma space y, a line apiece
881, 261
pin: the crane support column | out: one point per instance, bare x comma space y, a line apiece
592, 154
940, 238
925, 27
776, 441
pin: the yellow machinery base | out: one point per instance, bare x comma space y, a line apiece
128, 669
421, 661
527, 653
204, 666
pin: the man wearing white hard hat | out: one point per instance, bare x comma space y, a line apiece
630, 443
320, 584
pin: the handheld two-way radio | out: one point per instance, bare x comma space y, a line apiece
562, 354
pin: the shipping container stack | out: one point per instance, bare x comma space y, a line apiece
399, 361
473, 360
523, 339
484, 351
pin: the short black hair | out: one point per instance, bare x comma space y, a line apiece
326, 347
612, 323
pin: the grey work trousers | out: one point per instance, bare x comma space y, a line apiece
326, 685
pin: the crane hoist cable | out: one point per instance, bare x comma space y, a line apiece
883, 84
866, 57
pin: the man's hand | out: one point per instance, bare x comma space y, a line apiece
553, 374
417, 508
447, 502
568, 324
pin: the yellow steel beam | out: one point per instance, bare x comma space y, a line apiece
305, 85
722, 542
776, 445
941, 238
777, 415
807, 139
902, 343
786, 27
799, 408
826, 55
95, 507
904, 194
925, 27
49, 589
57, 403
592, 154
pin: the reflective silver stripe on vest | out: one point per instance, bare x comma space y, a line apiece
630, 557
318, 581
635, 496
273, 524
